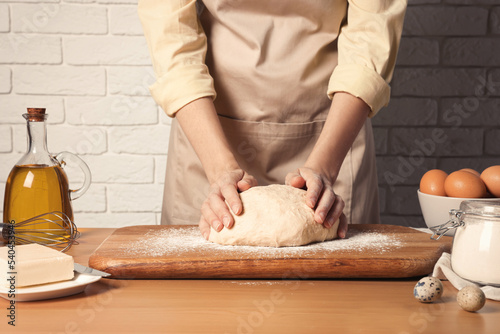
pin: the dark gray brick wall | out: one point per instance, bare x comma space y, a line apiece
445, 20
471, 51
419, 51
495, 20
445, 105
418, 81
408, 111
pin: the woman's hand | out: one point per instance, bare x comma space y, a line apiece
346, 117
214, 211
200, 123
320, 196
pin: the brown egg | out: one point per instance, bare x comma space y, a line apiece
464, 184
432, 182
470, 170
491, 178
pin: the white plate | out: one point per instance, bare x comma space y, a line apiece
51, 290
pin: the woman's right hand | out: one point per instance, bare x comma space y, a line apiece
214, 210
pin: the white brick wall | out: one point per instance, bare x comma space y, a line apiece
13, 106
30, 49
4, 18
59, 80
123, 21
5, 139
87, 62
59, 19
5, 80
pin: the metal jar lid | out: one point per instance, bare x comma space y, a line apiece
484, 209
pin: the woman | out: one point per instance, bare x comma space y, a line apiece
271, 91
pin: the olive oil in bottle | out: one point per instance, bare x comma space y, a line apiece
32, 190
37, 185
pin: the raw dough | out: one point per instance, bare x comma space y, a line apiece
274, 216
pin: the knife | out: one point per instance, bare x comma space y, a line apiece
89, 271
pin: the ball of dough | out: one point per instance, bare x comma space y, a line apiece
428, 289
471, 298
274, 216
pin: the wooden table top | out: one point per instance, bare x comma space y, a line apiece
245, 306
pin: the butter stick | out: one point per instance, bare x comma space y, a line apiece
34, 264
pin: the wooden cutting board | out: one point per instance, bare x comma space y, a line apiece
369, 251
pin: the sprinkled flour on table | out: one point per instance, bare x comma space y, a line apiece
179, 242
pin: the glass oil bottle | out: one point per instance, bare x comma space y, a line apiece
37, 184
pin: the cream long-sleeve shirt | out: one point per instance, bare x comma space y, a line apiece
367, 47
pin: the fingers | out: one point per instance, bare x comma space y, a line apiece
210, 217
247, 182
315, 186
204, 228
311, 181
335, 212
230, 194
223, 197
320, 195
342, 229
324, 206
220, 209
295, 180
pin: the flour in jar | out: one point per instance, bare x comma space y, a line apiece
476, 252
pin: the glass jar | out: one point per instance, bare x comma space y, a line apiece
475, 253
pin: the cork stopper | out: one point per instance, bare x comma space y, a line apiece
35, 114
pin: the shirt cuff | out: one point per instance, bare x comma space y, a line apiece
177, 88
361, 82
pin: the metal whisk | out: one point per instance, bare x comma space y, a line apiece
61, 234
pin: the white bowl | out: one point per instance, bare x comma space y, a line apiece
436, 209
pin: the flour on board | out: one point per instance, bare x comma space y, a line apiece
176, 242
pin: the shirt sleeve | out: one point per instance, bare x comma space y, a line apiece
178, 45
367, 45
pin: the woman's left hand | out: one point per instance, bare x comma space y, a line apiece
320, 196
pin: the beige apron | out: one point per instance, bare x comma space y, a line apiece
271, 62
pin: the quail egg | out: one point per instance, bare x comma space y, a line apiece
428, 290
471, 298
